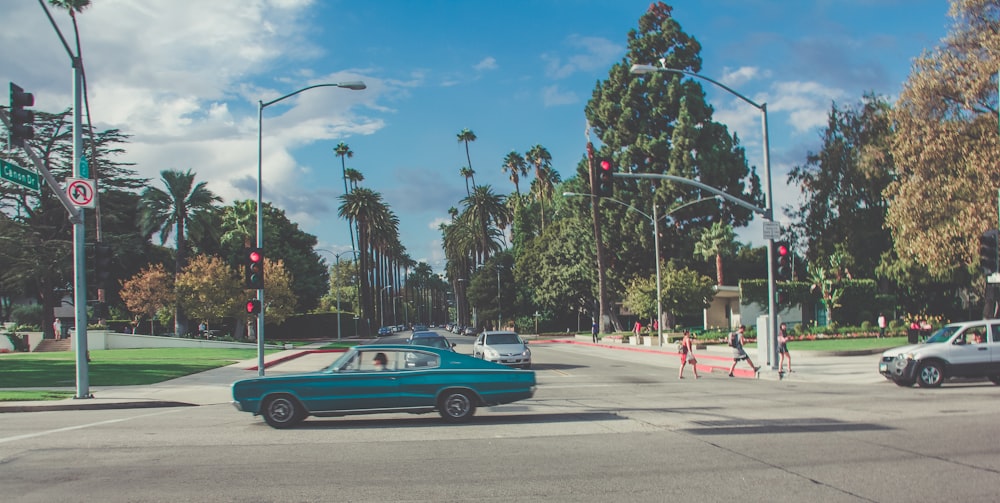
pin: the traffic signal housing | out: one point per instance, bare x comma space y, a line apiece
253, 268
21, 119
989, 243
605, 180
102, 264
782, 261
253, 306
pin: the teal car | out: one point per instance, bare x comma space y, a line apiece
384, 378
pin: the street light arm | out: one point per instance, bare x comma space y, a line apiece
611, 199
689, 203
643, 69
355, 85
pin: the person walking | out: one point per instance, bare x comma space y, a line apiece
783, 350
881, 325
57, 328
736, 342
687, 355
638, 331
593, 331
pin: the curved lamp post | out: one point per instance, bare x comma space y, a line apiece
769, 205
261, 105
655, 220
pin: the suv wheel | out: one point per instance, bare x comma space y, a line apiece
930, 375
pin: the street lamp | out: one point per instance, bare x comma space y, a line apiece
336, 257
381, 302
354, 85
768, 202
655, 220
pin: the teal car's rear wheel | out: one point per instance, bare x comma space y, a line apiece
456, 406
283, 411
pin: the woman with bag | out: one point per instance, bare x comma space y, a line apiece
687, 355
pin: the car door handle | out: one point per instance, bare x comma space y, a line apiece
982, 349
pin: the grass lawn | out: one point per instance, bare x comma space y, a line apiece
848, 344
119, 367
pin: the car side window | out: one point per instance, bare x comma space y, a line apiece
972, 335
994, 332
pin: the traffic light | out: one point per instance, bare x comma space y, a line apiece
782, 299
253, 268
102, 264
782, 261
988, 246
605, 180
21, 119
253, 306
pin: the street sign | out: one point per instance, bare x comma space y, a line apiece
993, 278
19, 175
81, 192
84, 167
772, 230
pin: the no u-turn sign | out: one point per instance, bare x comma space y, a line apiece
81, 191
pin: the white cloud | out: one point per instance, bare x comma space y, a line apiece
742, 75
593, 54
488, 63
552, 96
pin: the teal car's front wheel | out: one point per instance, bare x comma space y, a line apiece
283, 411
456, 406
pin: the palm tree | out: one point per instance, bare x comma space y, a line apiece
240, 222
490, 216
365, 208
716, 242
344, 151
545, 177
466, 136
354, 176
515, 164
468, 173
184, 208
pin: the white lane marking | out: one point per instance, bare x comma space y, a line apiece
81, 426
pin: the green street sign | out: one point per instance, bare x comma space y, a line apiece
84, 168
19, 175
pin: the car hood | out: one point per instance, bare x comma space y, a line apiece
507, 348
910, 348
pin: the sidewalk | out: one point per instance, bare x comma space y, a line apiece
213, 386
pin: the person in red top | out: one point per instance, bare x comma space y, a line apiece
687, 356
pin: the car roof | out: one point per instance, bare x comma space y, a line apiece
428, 333
494, 332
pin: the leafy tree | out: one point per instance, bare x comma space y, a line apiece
184, 208
149, 292
280, 297
946, 147
210, 289
660, 123
844, 205
545, 180
684, 292
489, 215
556, 268
343, 151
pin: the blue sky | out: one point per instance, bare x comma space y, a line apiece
184, 78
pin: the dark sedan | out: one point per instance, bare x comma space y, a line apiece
374, 379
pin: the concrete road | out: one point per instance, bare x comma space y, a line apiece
604, 426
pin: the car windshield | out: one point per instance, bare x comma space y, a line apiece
502, 339
942, 335
341, 362
434, 342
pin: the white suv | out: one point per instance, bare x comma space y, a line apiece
966, 349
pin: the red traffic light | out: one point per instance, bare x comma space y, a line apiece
605, 165
253, 306
255, 256
782, 250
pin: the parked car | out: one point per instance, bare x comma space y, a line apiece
385, 331
502, 347
450, 383
965, 349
